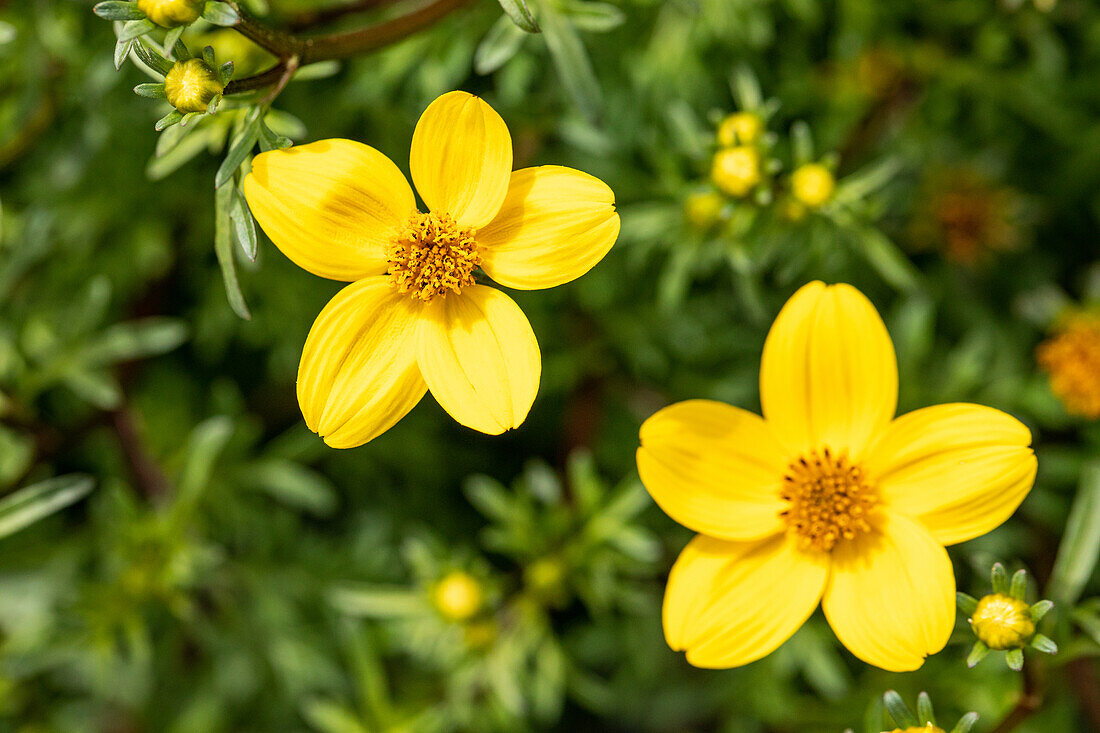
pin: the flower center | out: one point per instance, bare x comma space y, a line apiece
830, 499
1002, 622
432, 256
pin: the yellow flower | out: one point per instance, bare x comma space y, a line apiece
1072, 359
812, 184
457, 596
344, 211
740, 128
828, 498
190, 85
703, 209
171, 13
1002, 622
736, 170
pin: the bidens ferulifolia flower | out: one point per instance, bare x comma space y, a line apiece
827, 498
415, 318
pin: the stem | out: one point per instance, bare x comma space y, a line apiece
1031, 699
331, 46
310, 18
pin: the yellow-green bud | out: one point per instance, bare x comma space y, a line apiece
703, 208
736, 170
191, 84
812, 185
1002, 622
740, 128
171, 13
457, 596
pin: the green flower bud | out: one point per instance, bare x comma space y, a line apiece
191, 85
171, 13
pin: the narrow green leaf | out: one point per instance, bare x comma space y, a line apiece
1015, 659
520, 14
746, 89
500, 44
1018, 588
168, 120
967, 604
998, 577
191, 117
131, 29
173, 46
135, 340
594, 17
1038, 610
572, 63
1044, 644
899, 711
122, 50
244, 227
203, 448
152, 58
208, 56
378, 601
118, 10
26, 506
220, 13
238, 150
294, 485
225, 72
802, 143
965, 723
151, 90
223, 248
887, 260
329, 716
1080, 548
925, 714
977, 654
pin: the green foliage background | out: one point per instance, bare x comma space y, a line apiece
230, 573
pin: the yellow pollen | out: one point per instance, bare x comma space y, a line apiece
1001, 622
831, 499
432, 256
1072, 359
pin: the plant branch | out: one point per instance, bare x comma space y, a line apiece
342, 45
307, 19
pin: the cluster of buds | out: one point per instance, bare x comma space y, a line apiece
193, 86
1003, 620
925, 719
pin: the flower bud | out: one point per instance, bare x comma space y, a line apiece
190, 85
1002, 622
458, 596
171, 13
812, 185
703, 209
740, 128
736, 170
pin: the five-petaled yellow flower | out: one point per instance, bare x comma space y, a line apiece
414, 317
827, 498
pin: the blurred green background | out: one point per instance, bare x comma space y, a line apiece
228, 572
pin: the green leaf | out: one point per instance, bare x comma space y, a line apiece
925, 715
151, 58
135, 28
118, 10
594, 17
899, 711
122, 50
295, 486
977, 654
965, 723
967, 604
887, 260
572, 63
746, 89
1018, 588
223, 248
998, 578
28, 505
501, 43
206, 443
174, 46
219, 13
238, 150
135, 340
329, 716
244, 228
802, 143
520, 14
225, 72
208, 56
97, 388
1037, 610
1080, 547
151, 90
1044, 644
378, 601
168, 120
1015, 659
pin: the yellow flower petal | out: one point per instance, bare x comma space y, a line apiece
480, 359
713, 468
828, 375
358, 375
330, 206
555, 224
731, 603
461, 158
960, 469
891, 595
